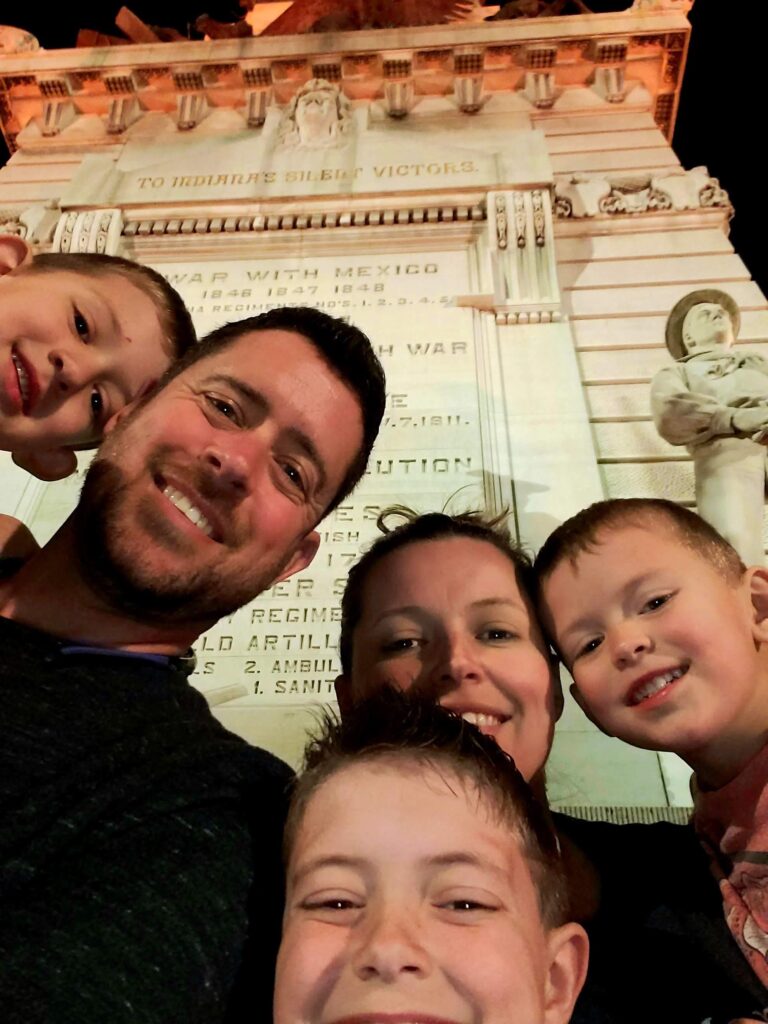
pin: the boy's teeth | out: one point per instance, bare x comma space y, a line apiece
192, 512
21, 374
655, 685
478, 718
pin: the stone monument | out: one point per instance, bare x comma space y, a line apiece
497, 204
715, 402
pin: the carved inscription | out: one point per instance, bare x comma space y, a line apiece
284, 646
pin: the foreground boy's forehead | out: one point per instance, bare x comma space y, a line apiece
406, 811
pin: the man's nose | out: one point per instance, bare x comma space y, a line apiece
228, 467
389, 947
629, 642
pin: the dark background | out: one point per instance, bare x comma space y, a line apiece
720, 121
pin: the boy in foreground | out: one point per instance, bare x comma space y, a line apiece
424, 881
665, 633
81, 336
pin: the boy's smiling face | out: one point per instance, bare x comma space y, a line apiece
409, 902
664, 650
74, 349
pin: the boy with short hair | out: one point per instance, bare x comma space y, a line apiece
424, 880
81, 336
665, 633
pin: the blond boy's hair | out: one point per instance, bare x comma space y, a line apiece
582, 533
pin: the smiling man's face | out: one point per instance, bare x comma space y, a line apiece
209, 493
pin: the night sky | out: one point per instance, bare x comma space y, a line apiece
721, 89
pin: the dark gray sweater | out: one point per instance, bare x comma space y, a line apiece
134, 833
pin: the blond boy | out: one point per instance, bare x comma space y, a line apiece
665, 633
81, 336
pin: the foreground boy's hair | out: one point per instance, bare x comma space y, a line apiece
395, 728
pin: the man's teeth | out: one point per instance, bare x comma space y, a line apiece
653, 686
21, 373
478, 718
192, 512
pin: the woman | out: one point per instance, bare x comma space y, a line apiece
442, 605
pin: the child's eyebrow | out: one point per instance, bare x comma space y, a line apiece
102, 307
462, 858
628, 588
336, 860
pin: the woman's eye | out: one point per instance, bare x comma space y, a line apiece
81, 324
496, 633
656, 602
221, 405
402, 643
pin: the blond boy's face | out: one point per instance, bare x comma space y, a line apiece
662, 648
73, 351
408, 902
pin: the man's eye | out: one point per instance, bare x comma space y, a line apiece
81, 324
222, 406
294, 474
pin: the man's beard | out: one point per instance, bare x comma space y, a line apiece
110, 541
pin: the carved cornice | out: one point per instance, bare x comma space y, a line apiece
595, 195
313, 219
539, 59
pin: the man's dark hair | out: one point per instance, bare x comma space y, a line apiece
345, 349
413, 529
407, 731
175, 321
582, 533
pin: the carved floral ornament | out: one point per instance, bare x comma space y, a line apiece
589, 195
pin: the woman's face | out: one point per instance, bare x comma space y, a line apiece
446, 618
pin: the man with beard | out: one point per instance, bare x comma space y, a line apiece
139, 840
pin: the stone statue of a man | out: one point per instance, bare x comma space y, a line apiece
715, 402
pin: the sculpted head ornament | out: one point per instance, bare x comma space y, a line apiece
684, 332
318, 117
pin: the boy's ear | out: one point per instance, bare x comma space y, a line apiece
343, 687
569, 955
14, 251
49, 464
756, 579
301, 557
576, 694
